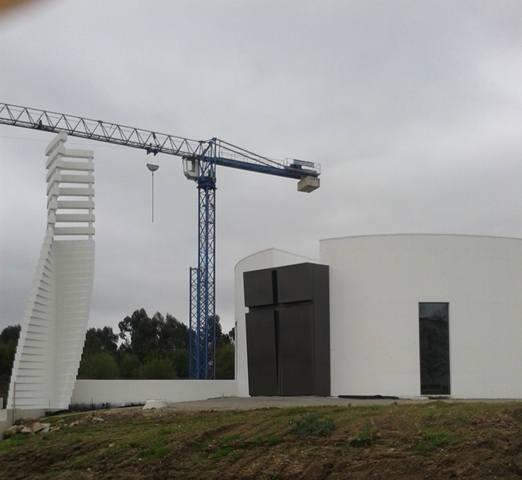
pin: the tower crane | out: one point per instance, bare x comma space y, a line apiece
200, 159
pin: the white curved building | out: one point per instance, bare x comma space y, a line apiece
414, 315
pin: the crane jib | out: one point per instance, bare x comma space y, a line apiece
224, 153
200, 159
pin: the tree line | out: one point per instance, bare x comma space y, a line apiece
150, 348
8, 341
144, 348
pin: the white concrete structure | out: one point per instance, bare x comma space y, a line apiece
57, 312
118, 393
376, 286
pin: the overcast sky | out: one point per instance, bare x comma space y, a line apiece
413, 109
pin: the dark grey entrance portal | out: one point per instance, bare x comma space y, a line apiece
288, 330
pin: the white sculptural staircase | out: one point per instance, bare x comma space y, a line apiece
57, 313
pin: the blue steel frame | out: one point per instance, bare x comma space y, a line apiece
202, 331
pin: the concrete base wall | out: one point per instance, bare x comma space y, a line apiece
8, 417
117, 393
4, 425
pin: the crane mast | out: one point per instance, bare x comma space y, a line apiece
200, 159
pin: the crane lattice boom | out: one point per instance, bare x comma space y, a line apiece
225, 154
200, 158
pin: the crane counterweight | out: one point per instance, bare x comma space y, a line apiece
308, 184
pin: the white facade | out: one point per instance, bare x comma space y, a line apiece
57, 313
376, 285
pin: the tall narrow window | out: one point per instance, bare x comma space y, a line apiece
434, 348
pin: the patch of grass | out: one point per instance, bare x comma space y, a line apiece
273, 440
158, 449
197, 446
228, 439
220, 453
312, 424
80, 463
13, 442
225, 447
262, 440
166, 431
431, 439
364, 438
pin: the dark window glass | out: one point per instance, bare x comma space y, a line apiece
434, 348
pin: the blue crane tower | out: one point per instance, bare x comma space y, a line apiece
200, 159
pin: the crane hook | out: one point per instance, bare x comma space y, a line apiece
152, 169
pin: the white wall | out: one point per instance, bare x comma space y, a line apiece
266, 259
126, 392
376, 284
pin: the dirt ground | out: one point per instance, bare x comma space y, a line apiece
277, 438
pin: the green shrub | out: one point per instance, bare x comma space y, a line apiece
312, 424
159, 368
364, 438
99, 366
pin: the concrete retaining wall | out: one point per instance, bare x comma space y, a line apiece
117, 393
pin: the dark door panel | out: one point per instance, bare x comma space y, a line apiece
261, 353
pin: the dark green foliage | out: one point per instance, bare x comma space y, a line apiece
99, 354
158, 368
10, 334
99, 365
129, 366
100, 340
155, 337
312, 424
225, 356
7, 354
8, 342
221, 338
151, 348
180, 362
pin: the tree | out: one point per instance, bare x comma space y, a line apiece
100, 366
173, 335
225, 353
155, 337
180, 361
8, 342
7, 355
10, 334
225, 362
159, 368
130, 366
140, 335
221, 338
99, 354
99, 340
